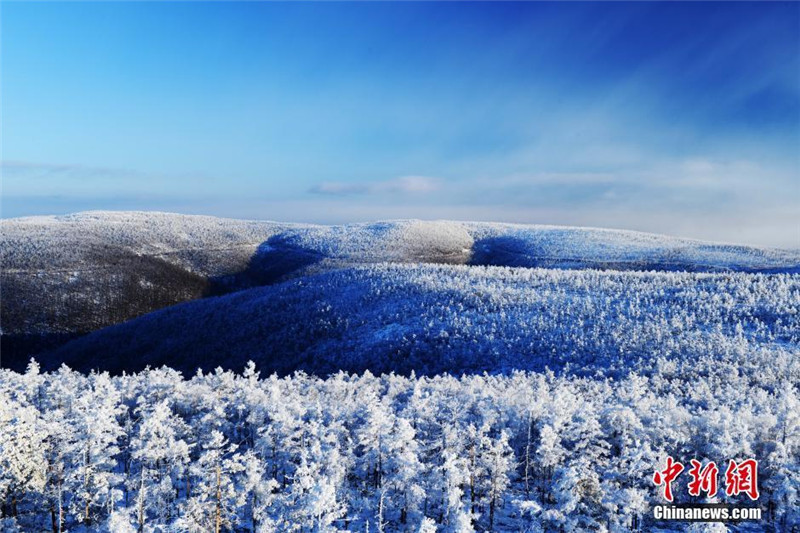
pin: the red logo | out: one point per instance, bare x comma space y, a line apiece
740, 478
667, 476
703, 480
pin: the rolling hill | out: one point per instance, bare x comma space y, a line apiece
466, 319
63, 277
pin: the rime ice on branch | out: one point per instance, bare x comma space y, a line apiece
523, 452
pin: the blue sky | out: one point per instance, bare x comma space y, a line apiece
678, 118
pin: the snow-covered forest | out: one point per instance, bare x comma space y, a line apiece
409, 376
523, 452
77, 273
454, 318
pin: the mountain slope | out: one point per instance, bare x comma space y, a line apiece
433, 319
80, 272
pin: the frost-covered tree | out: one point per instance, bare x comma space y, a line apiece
259, 492
160, 456
93, 476
215, 497
312, 503
528, 452
22, 458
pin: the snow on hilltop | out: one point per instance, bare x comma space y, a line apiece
68, 275
202, 244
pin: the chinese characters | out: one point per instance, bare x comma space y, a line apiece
740, 478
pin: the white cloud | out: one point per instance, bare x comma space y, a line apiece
402, 184
338, 188
29, 169
413, 184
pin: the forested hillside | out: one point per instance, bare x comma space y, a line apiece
432, 319
77, 273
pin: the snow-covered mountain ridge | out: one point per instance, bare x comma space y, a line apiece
64, 276
193, 242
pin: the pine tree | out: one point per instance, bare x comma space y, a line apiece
215, 497
93, 451
161, 456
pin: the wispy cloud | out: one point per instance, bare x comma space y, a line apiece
33, 179
30, 169
401, 185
